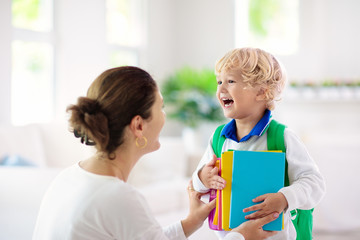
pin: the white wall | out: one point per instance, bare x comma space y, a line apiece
204, 31
159, 56
184, 32
5, 63
330, 130
187, 32
328, 44
81, 48
341, 45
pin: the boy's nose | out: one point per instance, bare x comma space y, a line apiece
221, 88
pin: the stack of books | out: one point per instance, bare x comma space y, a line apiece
248, 174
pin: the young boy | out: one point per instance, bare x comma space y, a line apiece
250, 80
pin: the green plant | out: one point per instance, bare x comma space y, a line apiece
189, 96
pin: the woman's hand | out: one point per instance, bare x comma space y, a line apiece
252, 230
209, 175
271, 202
198, 212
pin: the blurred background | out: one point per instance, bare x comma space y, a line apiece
51, 50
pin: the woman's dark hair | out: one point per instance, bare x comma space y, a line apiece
113, 99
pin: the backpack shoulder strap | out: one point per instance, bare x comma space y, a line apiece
275, 136
275, 141
218, 141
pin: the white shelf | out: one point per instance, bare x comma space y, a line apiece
322, 94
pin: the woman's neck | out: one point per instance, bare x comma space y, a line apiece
119, 167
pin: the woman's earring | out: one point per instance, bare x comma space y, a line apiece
138, 145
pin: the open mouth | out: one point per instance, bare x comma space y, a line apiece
227, 102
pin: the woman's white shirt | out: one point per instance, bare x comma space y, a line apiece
83, 205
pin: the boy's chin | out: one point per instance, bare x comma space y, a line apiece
228, 114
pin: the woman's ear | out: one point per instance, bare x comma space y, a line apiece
137, 126
261, 94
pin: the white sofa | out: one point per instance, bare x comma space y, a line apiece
160, 176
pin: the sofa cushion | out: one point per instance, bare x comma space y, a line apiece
15, 161
22, 189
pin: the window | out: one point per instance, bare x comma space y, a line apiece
124, 31
34, 50
35, 15
272, 25
32, 81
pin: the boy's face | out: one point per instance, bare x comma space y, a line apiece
238, 100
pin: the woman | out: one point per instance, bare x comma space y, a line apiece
122, 117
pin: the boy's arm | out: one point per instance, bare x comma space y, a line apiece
307, 185
207, 157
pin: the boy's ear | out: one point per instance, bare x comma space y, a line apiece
261, 94
137, 126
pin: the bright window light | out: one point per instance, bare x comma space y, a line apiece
32, 53
123, 21
34, 15
272, 25
123, 58
32, 85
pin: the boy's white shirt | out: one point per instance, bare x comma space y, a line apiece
307, 186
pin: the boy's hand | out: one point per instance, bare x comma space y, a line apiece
209, 175
271, 202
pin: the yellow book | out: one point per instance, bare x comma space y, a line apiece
226, 174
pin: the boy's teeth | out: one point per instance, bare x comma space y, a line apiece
228, 102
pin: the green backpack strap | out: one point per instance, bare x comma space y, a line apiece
302, 219
218, 141
275, 141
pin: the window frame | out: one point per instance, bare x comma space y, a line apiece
48, 37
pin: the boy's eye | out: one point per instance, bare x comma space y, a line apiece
231, 81
219, 82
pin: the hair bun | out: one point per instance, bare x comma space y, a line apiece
89, 122
88, 105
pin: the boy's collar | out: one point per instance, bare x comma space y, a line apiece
229, 131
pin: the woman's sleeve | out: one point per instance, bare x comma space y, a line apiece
171, 232
307, 185
175, 231
234, 236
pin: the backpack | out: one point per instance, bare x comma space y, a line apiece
302, 219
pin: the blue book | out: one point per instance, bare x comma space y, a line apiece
255, 174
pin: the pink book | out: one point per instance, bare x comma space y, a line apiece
215, 194
212, 213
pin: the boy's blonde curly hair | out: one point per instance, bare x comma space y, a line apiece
258, 69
